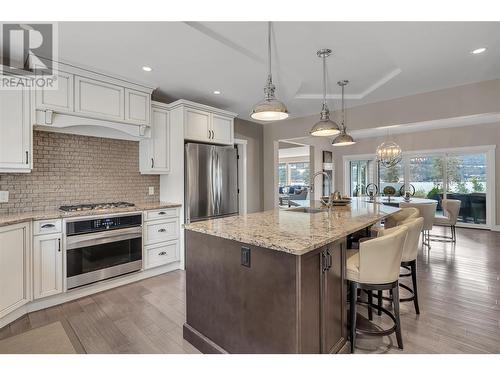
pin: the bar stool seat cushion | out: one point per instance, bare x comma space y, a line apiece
442, 220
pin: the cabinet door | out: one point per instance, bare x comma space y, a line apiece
222, 129
60, 99
14, 267
137, 107
47, 265
15, 131
197, 125
99, 99
334, 298
160, 140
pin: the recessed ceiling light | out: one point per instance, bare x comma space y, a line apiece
217, 92
147, 68
478, 51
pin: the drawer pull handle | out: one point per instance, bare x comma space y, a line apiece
162, 213
44, 226
162, 230
163, 253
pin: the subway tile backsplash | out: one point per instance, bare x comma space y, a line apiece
72, 169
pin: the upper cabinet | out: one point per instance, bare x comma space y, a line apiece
99, 99
15, 131
205, 124
103, 100
154, 152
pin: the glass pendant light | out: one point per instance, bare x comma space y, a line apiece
324, 127
343, 139
269, 109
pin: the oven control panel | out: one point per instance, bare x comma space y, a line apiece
102, 224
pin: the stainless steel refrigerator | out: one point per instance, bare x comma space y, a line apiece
211, 181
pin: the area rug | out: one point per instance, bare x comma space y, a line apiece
49, 339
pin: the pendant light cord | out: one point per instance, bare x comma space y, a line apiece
269, 50
343, 110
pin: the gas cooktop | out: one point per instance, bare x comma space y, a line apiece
96, 206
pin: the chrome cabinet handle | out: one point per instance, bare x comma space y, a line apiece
152, 163
163, 253
47, 226
59, 245
27, 157
162, 230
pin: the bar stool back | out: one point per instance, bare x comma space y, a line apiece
409, 260
427, 211
451, 208
376, 267
398, 217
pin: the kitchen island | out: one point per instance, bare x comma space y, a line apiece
272, 281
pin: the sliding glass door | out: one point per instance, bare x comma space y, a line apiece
465, 174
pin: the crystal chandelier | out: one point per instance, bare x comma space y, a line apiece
389, 154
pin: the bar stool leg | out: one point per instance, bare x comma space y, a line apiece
395, 303
352, 318
414, 282
379, 313
370, 302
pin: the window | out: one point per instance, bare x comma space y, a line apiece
390, 177
293, 173
360, 176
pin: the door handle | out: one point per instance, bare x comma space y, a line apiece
162, 230
152, 163
27, 157
59, 245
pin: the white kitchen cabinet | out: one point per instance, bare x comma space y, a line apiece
15, 276
47, 265
154, 152
208, 125
222, 129
161, 254
137, 106
99, 99
60, 99
197, 125
15, 131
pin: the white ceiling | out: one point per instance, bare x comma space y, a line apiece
382, 60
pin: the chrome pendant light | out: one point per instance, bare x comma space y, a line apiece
343, 139
324, 127
269, 109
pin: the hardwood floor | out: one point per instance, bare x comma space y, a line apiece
459, 290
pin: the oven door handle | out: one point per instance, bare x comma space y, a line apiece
92, 239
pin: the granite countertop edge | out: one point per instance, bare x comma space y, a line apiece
21, 217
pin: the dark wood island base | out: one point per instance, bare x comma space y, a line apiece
248, 299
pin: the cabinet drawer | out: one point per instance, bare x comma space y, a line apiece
47, 226
160, 254
163, 213
161, 231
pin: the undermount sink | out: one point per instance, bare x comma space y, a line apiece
308, 210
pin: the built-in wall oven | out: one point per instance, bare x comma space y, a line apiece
100, 248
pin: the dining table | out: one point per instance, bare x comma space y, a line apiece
395, 201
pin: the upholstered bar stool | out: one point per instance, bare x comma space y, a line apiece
374, 267
451, 209
408, 260
395, 219
427, 211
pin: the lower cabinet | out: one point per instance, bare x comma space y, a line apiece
15, 267
161, 254
47, 265
161, 237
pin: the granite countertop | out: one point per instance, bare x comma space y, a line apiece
15, 218
295, 232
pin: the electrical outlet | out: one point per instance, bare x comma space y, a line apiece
151, 190
4, 196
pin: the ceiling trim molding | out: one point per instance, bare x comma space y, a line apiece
452, 122
382, 81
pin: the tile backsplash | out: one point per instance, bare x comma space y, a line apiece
72, 169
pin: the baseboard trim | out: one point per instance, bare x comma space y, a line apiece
201, 342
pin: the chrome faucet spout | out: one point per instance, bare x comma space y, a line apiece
311, 188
